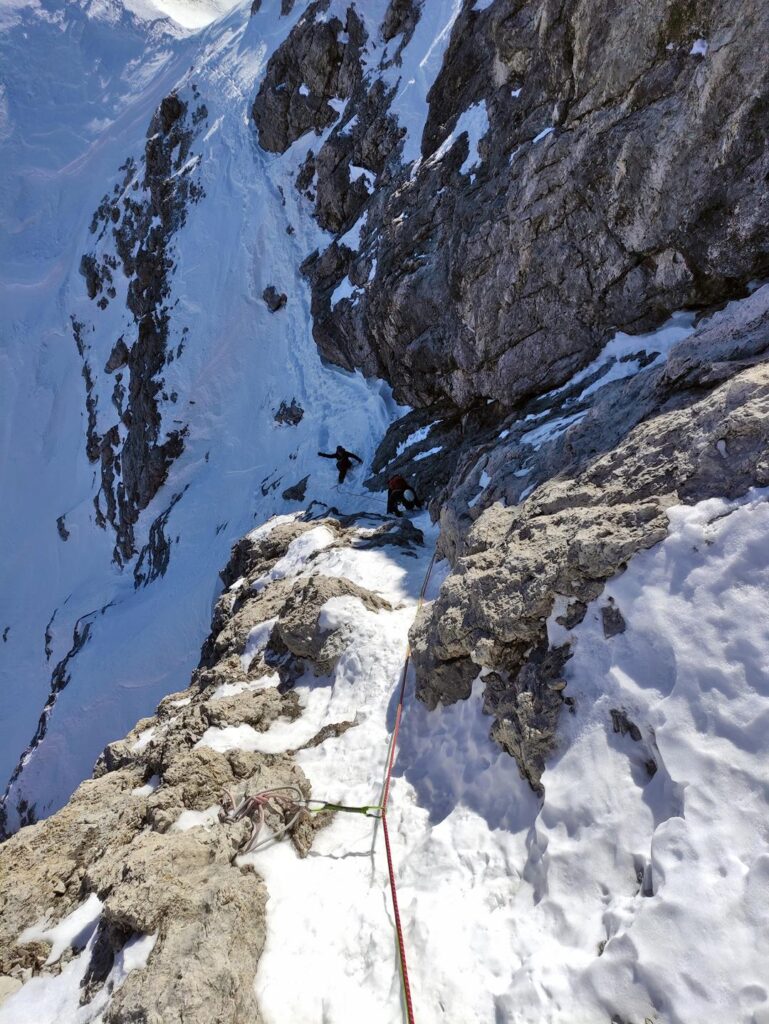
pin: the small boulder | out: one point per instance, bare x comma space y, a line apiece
613, 620
274, 299
621, 723
300, 629
574, 614
289, 414
297, 492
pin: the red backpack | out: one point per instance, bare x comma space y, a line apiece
397, 483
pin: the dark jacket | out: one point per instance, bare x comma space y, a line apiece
341, 455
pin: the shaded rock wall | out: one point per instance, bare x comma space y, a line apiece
499, 280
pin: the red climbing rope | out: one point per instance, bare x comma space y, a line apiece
398, 928
383, 803
253, 807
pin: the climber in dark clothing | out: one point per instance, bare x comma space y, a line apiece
343, 460
400, 492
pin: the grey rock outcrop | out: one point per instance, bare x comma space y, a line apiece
501, 279
304, 74
289, 414
297, 491
595, 505
118, 356
400, 19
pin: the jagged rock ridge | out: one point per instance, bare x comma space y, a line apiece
134, 230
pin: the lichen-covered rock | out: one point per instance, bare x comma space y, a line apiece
253, 555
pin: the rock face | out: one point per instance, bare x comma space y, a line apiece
303, 76
606, 485
133, 231
571, 184
599, 198
123, 836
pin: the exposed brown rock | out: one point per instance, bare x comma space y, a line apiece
118, 836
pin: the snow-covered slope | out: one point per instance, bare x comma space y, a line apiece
609, 895
81, 88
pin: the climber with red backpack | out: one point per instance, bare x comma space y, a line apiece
400, 492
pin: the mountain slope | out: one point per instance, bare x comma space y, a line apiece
227, 234
238, 363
